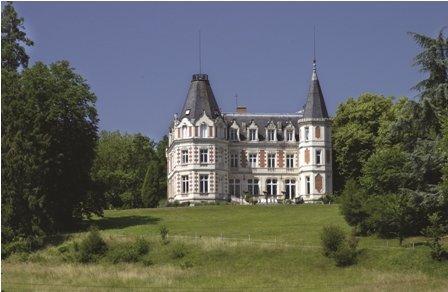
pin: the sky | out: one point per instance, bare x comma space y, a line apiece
138, 57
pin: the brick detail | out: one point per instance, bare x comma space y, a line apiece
243, 158
196, 131
190, 132
280, 158
262, 156
178, 132
318, 183
307, 156
327, 156
317, 131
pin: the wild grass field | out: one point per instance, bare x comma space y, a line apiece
283, 253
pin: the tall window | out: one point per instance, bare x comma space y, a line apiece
233, 160
271, 186
252, 160
184, 132
252, 187
203, 131
307, 133
252, 134
234, 187
289, 160
184, 156
233, 134
271, 135
271, 160
185, 187
307, 185
289, 135
318, 156
203, 183
290, 189
203, 156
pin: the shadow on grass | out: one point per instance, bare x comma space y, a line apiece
123, 222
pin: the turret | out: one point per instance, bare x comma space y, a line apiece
315, 165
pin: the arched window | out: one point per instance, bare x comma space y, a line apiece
184, 132
203, 131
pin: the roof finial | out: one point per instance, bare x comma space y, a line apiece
200, 53
314, 48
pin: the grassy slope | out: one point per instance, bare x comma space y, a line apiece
230, 264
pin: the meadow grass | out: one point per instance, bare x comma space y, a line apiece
293, 262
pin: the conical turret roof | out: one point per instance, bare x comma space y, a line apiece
200, 99
315, 104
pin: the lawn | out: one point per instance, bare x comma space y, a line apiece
283, 253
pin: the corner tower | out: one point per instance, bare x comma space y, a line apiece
315, 163
197, 168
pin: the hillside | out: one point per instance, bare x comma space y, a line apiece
283, 252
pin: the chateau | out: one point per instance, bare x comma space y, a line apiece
215, 156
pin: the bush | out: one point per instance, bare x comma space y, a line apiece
91, 247
332, 238
178, 251
164, 234
128, 253
345, 255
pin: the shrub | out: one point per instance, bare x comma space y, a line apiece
164, 234
91, 247
128, 253
345, 255
178, 251
332, 238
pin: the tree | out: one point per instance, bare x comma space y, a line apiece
352, 203
433, 60
120, 167
355, 129
13, 40
50, 131
386, 172
151, 186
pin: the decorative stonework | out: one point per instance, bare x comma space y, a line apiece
318, 183
307, 156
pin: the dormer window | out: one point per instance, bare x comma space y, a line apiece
252, 134
203, 131
271, 135
289, 135
184, 132
187, 112
233, 134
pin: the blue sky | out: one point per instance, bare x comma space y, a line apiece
138, 57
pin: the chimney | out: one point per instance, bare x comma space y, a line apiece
241, 109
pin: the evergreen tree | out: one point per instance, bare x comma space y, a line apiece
151, 186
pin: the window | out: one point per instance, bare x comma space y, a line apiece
318, 156
233, 160
203, 131
307, 185
271, 160
233, 134
184, 156
271, 135
184, 180
307, 133
290, 189
203, 157
271, 187
203, 183
252, 134
289, 135
234, 187
252, 187
252, 160
289, 160
184, 132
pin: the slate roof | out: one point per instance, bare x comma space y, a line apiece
200, 98
315, 104
262, 120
